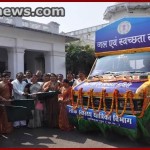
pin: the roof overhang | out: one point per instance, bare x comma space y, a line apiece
67, 38
125, 6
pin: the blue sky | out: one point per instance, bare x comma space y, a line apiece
78, 15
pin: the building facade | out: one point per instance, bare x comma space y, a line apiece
30, 45
126, 9
86, 35
111, 14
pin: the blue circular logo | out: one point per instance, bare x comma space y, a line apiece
124, 27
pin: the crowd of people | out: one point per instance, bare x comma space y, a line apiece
51, 111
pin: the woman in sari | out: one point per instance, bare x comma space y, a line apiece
64, 99
5, 96
51, 102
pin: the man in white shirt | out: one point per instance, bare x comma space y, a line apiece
82, 77
18, 93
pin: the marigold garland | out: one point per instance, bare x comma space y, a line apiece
130, 96
125, 104
104, 104
78, 99
100, 101
71, 97
145, 102
92, 103
90, 93
112, 103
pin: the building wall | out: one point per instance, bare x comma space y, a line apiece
127, 9
17, 41
86, 35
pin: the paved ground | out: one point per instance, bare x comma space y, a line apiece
55, 138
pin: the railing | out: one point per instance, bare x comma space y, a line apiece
28, 24
6, 20
85, 31
127, 5
35, 25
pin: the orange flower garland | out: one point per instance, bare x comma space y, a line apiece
89, 98
92, 103
81, 97
144, 103
78, 99
104, 104
112, 103
125, 104
116, 92
100, 101
130, 96
71, 97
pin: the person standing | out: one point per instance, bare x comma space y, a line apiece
81, 78
18, 93
39, 75
51, 103
28, 75
37, 113
71, 79
64, 99
60, 78
5, 96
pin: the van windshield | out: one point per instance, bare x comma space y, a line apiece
136, 62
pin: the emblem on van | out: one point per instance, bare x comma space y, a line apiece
124, 27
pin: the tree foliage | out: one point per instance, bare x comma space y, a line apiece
79, 58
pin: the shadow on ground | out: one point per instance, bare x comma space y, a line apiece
45, 137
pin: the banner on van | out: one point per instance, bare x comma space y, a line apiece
127, 33
126, 121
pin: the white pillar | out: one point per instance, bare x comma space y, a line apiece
20, 59
15, 60
11, 62
55, 62
48, 62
